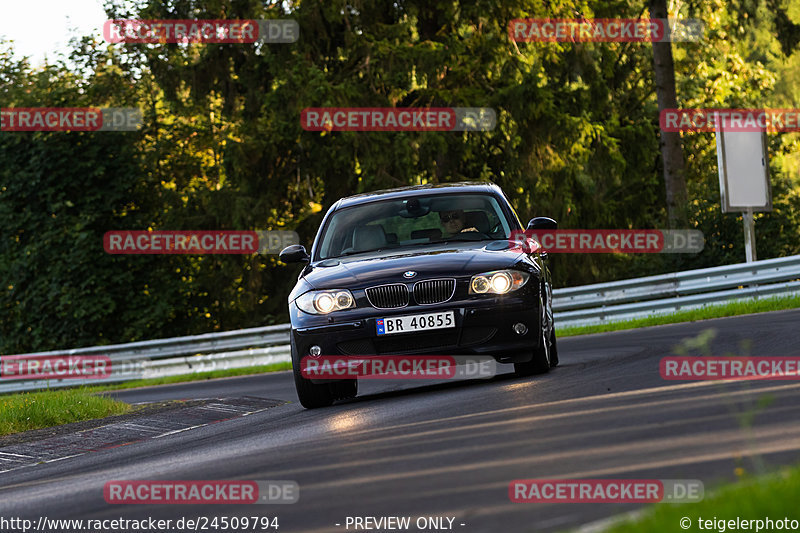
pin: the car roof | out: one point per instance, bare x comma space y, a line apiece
420, 190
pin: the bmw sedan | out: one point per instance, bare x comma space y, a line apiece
419, 271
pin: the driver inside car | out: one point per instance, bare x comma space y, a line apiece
454, 222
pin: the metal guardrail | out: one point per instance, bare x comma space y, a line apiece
125, 369
678, 283
188, 345
167, 357
635, 298
574, 306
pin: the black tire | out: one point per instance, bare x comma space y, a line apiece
539, 364
541, 361
553, 348
551, 319
311, 395
345, 389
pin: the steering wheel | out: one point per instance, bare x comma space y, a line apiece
460, 236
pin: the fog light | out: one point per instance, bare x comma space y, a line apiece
520, 328
314, 351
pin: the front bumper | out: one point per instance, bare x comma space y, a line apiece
481, 328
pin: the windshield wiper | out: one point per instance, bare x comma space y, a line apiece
446, 241
360, 252
452, 240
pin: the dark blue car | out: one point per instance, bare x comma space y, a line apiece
420, 270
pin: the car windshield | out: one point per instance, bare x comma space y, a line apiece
413, 221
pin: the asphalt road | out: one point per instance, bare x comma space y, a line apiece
452, 449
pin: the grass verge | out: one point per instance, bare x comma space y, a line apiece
704, 313
771, 496
26, 411
34, 410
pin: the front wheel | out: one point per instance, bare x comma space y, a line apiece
345, 389
545, 355
539, 364
553, 348
312, 395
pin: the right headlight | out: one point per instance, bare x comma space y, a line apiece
324, 302
498, 282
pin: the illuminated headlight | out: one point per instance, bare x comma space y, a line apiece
324, 302
498, 282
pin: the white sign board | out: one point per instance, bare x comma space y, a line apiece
743, 170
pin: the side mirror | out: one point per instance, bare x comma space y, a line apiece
295, 253
542, 223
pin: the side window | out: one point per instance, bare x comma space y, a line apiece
493, 218
339, 236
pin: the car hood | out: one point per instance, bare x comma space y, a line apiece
388, 267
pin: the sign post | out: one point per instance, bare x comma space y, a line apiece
743, 176
749, 236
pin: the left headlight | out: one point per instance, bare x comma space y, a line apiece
498, 282
324, 302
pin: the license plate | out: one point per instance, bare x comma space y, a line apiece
405, 324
